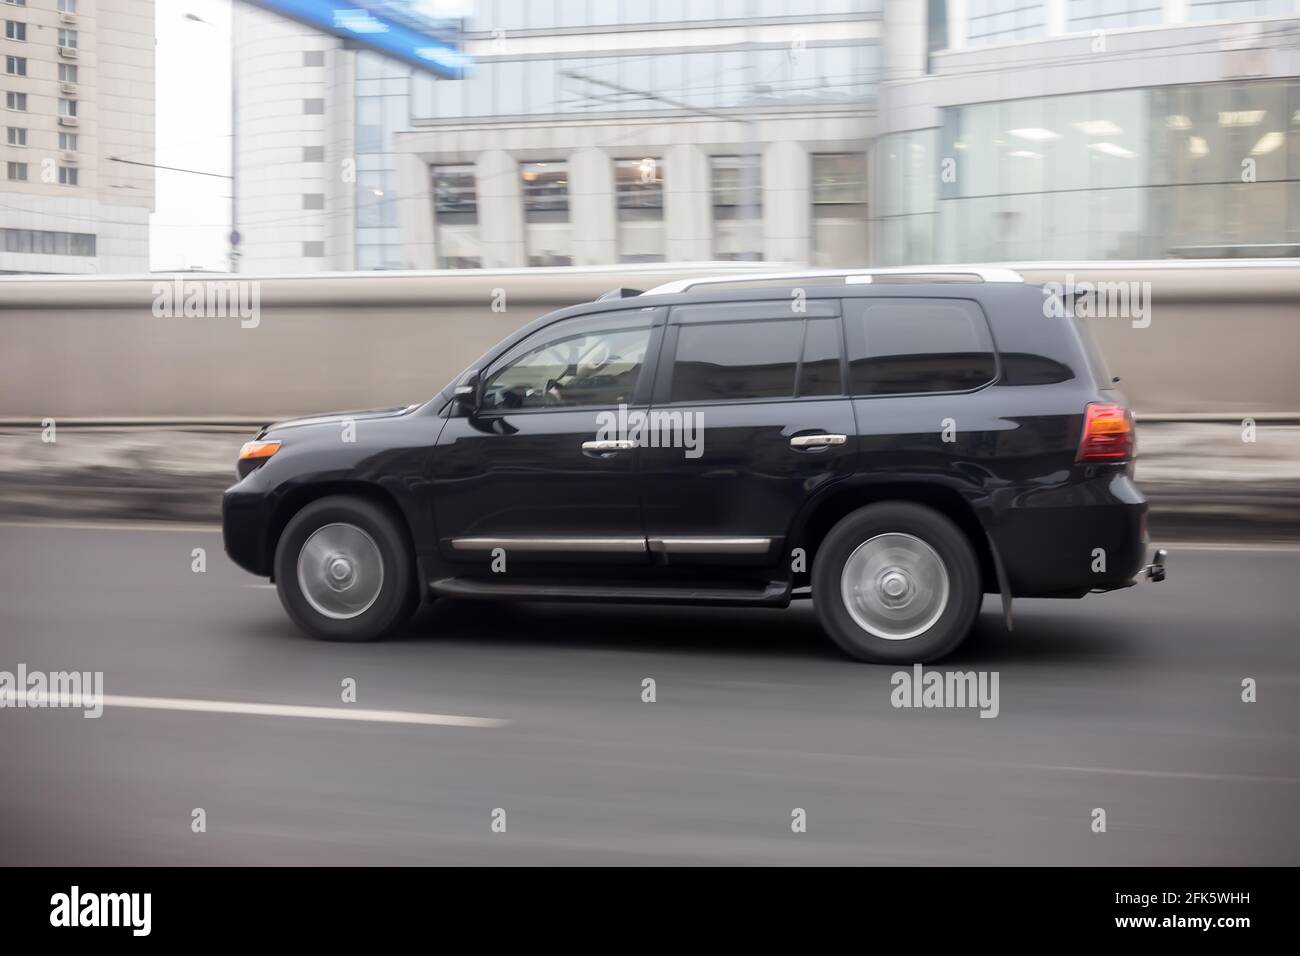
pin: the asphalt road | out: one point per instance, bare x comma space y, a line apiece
1129, 702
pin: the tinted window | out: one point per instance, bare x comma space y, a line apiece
554, 370
1025, 368
735, 360
900, 346
820, 372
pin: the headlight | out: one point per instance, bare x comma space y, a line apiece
254, 454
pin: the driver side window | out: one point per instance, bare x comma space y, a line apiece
571, 370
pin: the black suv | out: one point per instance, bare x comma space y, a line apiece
892, 445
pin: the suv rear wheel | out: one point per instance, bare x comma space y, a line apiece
896, 582
344, 572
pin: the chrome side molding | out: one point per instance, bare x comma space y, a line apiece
577, 545
618, 545
710, 545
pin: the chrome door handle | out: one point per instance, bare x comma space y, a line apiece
817, 441
609, 444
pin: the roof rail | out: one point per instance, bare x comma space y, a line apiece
618, 294
850, 277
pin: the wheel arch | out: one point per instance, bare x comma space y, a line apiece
301, 496
827, 510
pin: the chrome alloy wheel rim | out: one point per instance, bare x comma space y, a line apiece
895, 586
340, 571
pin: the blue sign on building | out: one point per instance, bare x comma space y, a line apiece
397, 28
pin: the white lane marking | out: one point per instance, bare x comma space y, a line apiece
115, 526
271, 586
1163, 774
255, 709
943, 763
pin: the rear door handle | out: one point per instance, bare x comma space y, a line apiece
608, 444
817, 441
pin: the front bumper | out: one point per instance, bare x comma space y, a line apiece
245, 529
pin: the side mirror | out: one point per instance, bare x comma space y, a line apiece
466, 392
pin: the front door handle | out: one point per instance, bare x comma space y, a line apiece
817, 441
608, 444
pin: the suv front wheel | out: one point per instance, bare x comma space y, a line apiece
344, 572
896, 582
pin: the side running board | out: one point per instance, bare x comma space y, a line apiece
774, 593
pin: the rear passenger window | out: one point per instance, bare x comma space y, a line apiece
904, 346
734, 360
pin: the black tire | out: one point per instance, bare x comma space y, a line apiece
397, 596
964, 591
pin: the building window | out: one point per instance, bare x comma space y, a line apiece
67, 6
68, 38
1003, 21
67, 107
737, 207
15, 30
313, 249
16, 65
547, 232
455, 217
16, 102
50, 243
313, 200
67, 176
313, 107
1236, 9
313, 57
839, 195
1088, 15
313, 154
639, 184
546, 191
16, 136
639, 191
578, 83
455, 195
67, 73
17, 172
68, 141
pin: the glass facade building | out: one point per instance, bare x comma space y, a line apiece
1196, 170
837, 133
718, 79
1004, 21
382, 108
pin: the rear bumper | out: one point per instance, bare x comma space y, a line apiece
1074, 538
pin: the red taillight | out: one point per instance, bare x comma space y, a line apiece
1107, 434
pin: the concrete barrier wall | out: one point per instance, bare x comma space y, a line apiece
1223, 338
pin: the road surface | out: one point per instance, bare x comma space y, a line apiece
1129, 703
